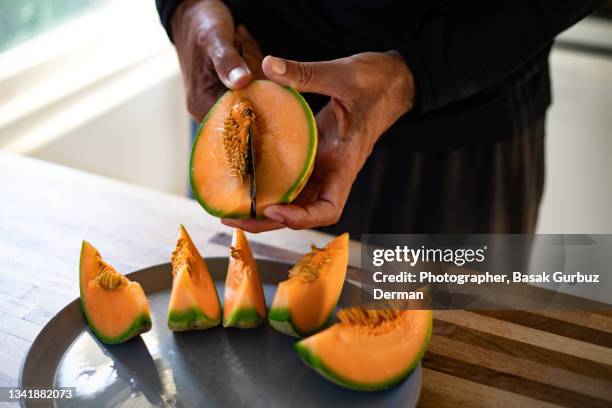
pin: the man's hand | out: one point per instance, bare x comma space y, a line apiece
209, 52
369, 92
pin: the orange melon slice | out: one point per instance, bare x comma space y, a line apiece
304, 303
116, 309
244, 304
194, 302
285, 141
369, 350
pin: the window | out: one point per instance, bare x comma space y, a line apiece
64, 62
21, 20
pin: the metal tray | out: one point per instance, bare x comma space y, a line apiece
211, 368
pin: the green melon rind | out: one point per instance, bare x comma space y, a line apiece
313, 361
209, 209
244, 318
141, 323
280, 320
293, 190
190, 319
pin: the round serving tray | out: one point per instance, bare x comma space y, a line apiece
210, 368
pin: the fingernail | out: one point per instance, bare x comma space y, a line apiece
236, 74
273, 215
278, 66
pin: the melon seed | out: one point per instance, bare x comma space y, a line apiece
240, 268
359, 316
181, 257
236, 138
235, 253
108, 278
309, 266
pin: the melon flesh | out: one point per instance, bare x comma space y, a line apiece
366, 358
194, 302
114, 316
244, 303
286, 142
304, 306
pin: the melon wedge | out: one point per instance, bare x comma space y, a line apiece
194, 302
116, 309
304, 303
244, 304
285, 139
369, 353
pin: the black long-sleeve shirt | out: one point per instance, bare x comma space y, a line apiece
480, 66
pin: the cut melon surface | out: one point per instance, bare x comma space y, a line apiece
194, 302
369, 356
244, 304
285, 139
305, 302
116, 309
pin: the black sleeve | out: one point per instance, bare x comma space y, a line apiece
165, 9
463, 47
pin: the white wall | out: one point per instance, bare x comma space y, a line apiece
145, 140
107, 102
578, 191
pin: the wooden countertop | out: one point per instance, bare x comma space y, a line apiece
510, 358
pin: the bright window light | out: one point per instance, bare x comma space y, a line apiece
25, 19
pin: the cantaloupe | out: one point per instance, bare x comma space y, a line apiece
194, 302
304, 303
369, 350
284, 139
244, 304
116, 309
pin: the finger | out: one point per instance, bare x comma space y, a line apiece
310, 191
315, 214
252, 225
329, 138
199, 101
326, 210
247, 44
325, 78
231, 68
250, 51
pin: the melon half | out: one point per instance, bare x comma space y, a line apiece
284, 140
369, 350
116, 309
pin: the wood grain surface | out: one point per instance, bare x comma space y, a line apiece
500, 358
481, 359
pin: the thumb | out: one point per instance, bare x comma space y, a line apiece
325, 78
231, 68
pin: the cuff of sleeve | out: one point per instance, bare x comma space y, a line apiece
165, 9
